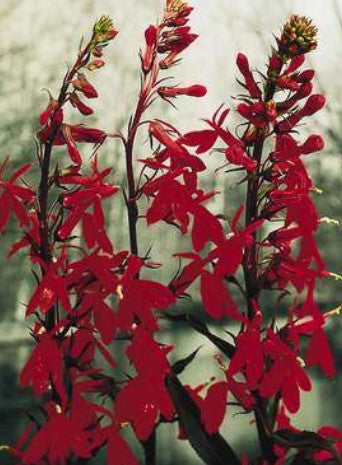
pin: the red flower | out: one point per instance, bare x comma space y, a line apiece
91, 189
285, 375
174, 42
314, 143
314, 103
331, 434
93, 226
99, 267
203, 140
159, 133
260, 114
318, 353
188, 275
31, 237
139, 403
45, 368
69, 134
144, 397
172, 201
118, 451
58, 438
241, 393
235, 152
216, 298
206, 227
12, 197
248, 355
137, 298
237, 156
51, 288
230, 252
51, 119
148, 357
80, 347
213, 407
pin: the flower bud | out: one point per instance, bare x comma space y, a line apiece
95, 64
304, 91
295, 63
314, 103
242, 63
176, 13
192, 91
274, 64
82, 107
150, 38
299, 36
98, 51
83, 85
157, 131
84, 134
251, 85
306, 75
104, 30
312, 144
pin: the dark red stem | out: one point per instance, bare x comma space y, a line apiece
250, 267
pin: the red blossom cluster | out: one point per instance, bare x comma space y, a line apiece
88, 294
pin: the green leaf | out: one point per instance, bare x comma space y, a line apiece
306, 441
224, 346
180, 365
211, 448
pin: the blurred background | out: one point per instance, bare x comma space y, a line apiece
37, 41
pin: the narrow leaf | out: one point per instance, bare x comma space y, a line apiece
180, 365
212, 449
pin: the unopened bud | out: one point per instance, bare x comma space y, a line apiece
95, 64
299, 36
104, 30
312, 144
314, 103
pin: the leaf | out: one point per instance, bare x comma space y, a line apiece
225, 347
180, 365
212, 449
304, 440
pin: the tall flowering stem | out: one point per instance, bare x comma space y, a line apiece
168, 36
52, 119
298, 37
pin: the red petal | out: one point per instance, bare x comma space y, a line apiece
118, 452
206, 226
214, 407
216, 298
